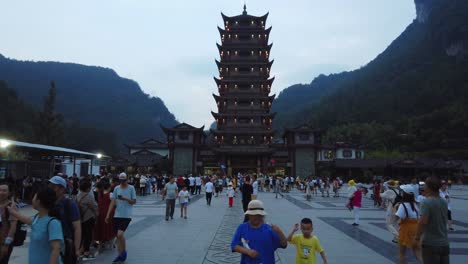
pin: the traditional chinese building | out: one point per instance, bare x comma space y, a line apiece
243, 139
244, 122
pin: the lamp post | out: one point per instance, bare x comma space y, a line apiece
4, 143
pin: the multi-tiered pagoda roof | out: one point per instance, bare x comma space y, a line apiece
244, 84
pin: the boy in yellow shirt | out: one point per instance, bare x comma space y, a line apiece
306, 244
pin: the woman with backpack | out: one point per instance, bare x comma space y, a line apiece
88, 212
408, 214
7, 225
46, 238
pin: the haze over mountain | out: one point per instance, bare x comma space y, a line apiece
413, 97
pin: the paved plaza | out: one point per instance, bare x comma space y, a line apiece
206, 235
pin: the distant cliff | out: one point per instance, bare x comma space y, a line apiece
416, 90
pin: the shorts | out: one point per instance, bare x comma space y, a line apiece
184, 204
120, 223
449, 215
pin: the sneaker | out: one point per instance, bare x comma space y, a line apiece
172, 218
451, 229
167, 218
88, 257
185, 217
118, 259
354, 224
123, 256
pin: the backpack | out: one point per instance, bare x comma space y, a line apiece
69, 254
20, 233
398, 198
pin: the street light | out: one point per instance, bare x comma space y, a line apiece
99, 155
4, 143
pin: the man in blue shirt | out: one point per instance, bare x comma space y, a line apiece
123, 199
70, 218
255, 240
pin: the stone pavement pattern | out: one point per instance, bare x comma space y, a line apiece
205, 236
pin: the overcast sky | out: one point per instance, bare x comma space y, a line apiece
169, 47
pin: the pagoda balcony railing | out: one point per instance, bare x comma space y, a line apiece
264, 74
248, 92
249, 41
234, 58
251, 108
255, 125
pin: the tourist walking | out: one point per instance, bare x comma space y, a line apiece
277, 186
88, 211
198, 184
432, 227
306, 244
208, 191
376, 189
170, 193
184, 198
408, 213
444, 194
255, 186
230, 194
389, 197
355, 196
46, 238
70, 218
8, 223
191, 184
255, 240
103, 232
336, 188
143, 182
247, 192
123, 199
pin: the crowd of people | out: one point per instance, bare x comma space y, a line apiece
77, 217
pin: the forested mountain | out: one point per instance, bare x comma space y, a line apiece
94, 101
412, 98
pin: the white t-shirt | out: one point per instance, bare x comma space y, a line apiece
191, 180
209, 187
411, 214
446, 195
231, 192
184, 196
255, 187
198, 181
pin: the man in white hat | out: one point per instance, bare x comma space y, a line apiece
123, 199
255, 240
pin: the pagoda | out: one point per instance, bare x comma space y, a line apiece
244, 121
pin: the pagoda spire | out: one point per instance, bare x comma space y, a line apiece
245, 9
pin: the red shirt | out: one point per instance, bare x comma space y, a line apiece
357, 199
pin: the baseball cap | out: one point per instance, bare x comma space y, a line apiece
407, 188
122, 176
58, 180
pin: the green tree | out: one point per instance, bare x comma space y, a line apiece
50, 127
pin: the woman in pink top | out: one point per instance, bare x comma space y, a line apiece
356, 202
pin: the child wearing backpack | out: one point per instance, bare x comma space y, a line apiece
408, 213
